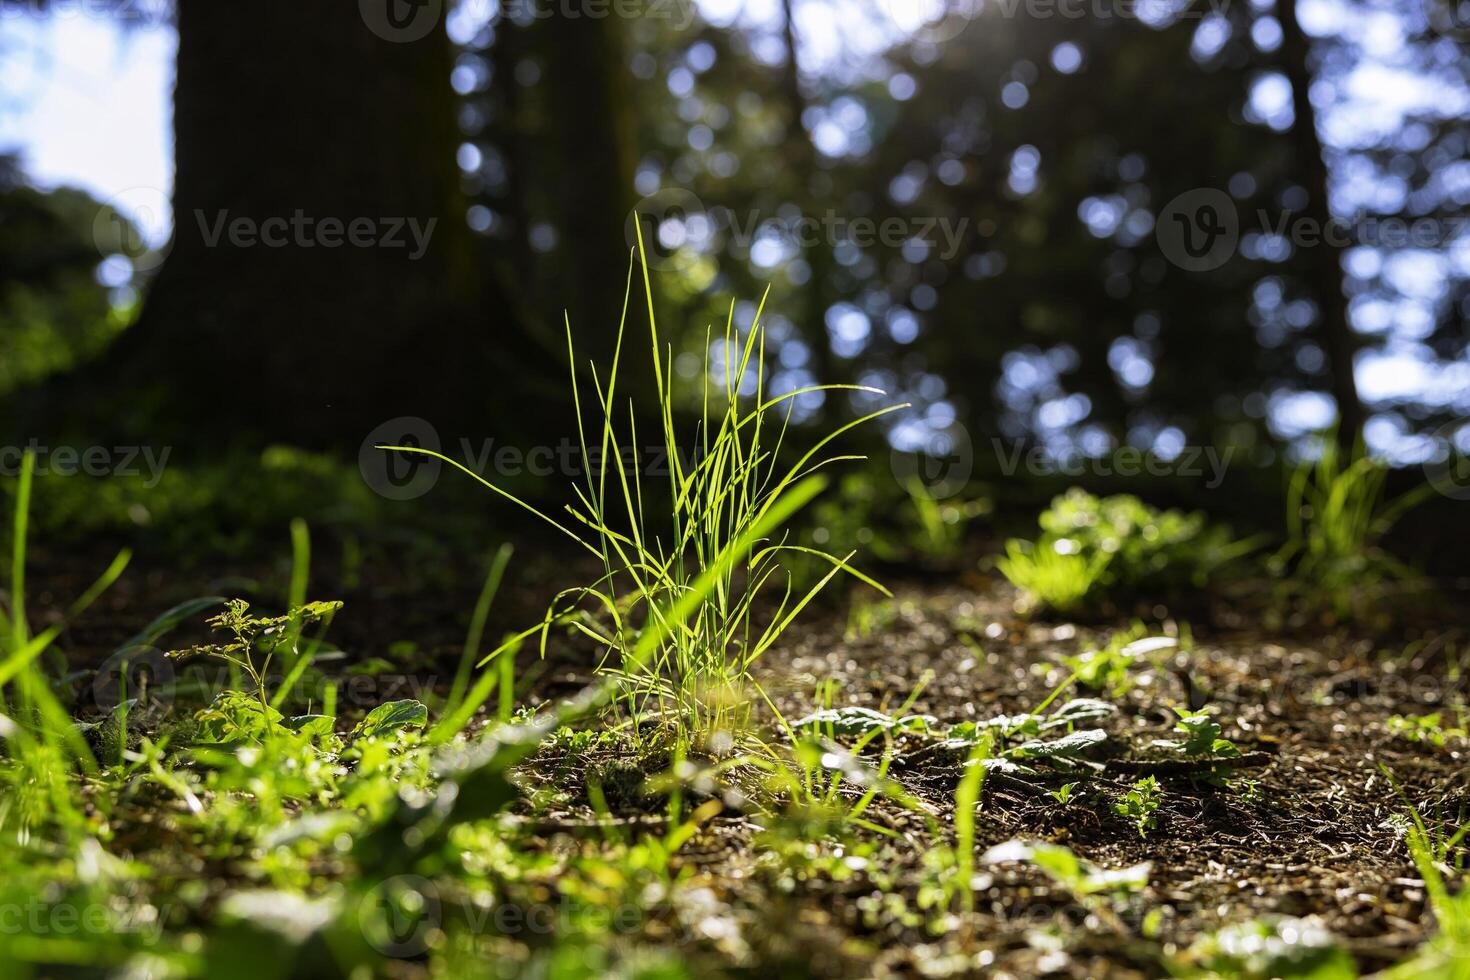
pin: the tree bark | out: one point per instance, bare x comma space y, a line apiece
1323, 263
320, 278
592, 135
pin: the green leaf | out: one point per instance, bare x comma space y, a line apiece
860, 721
233, 716
1079, 710
317, 726
1072, 746
391, 716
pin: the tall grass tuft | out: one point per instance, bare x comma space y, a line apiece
1336, 516
42, 745
693, 590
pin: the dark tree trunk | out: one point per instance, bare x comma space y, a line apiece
1323, 262
289, 116
803, 156
593, 138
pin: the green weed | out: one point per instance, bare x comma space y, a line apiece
256, 640
1140, 805
1116, 548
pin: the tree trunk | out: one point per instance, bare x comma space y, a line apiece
1324, 262
803, 157
320, 278
592, 137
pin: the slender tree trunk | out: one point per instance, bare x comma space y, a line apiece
320, 278
804, 166
592, 134
1324, 262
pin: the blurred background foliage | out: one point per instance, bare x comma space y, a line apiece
1027, 151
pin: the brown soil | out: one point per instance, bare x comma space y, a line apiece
1314, 836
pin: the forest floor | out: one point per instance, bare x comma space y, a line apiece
1309, 826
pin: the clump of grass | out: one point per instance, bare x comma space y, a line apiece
44, 748
1092, 549
1051, 574
674, 610
1336, 517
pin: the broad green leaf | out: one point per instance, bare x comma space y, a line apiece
392, 716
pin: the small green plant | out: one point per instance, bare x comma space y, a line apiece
1140, 805
1269, 947
1336, 517
1201, 736
256, 640
1110, 667
1065, 793
1429, 729
1090, 885
1116, 547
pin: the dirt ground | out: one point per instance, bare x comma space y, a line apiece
1314, 834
